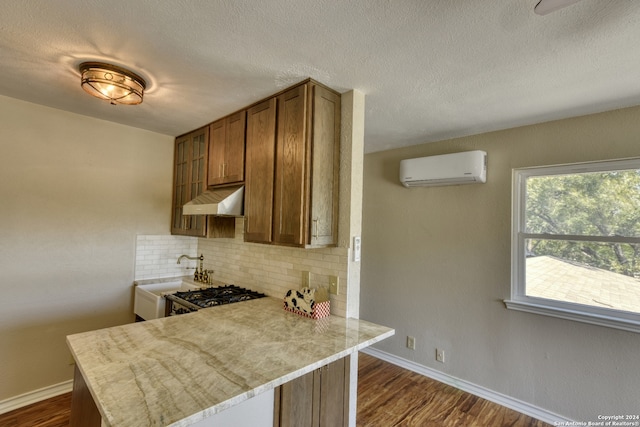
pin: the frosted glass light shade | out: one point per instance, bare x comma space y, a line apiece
112, 83
547, 6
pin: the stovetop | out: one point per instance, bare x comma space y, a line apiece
210, 297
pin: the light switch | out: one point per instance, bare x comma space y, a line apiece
306, 279
334, 285
356, 249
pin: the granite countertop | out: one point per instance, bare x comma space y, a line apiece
179, 370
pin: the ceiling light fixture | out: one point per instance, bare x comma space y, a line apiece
112, 83
547, 6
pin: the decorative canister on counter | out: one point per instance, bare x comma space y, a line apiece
302, 302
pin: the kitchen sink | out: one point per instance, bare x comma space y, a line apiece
149, 301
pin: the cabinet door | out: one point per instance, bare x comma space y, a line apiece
292, 172
334, 393
217, 144
180, 183
325, 166
260, 153
295, 402
234, 148
226, 150
196, 224
190, 169
317, 399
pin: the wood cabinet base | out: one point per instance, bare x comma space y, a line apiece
84, 412
221, 227
317, 399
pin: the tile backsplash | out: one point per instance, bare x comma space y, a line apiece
275, 269
269, 269
157, 256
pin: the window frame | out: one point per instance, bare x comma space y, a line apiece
519, 300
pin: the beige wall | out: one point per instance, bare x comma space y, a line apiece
74, 192
436, 265
274, 269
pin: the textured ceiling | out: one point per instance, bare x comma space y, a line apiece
430, 69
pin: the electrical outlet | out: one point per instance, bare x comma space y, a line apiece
411, 342
334, 285
306, 279
440, 355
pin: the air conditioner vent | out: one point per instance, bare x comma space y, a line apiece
469, 167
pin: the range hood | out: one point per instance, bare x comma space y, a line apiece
221, 201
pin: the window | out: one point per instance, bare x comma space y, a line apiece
576, 242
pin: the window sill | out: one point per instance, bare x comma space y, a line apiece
574, 314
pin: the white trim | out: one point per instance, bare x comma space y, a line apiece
585, 238
607, 317
579, 314
35, 396
483, 392
628, 163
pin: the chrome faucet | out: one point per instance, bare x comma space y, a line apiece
202, 276
189, 257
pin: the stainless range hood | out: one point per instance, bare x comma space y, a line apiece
226, 201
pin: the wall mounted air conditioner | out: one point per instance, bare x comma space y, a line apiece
469, 167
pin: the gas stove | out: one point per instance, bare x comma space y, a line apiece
189, 301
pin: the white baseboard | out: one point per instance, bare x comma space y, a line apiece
35, 396
485, 393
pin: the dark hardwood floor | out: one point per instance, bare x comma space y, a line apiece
52, 412
388, 396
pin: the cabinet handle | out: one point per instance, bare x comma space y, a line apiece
315, 228
220, 169
224, 170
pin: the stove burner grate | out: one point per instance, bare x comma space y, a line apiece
211, 297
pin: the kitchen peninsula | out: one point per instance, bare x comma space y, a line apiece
183, 370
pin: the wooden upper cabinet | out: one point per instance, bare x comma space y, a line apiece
307, 167
217, 147
325, 164
189, 180
292, 172
227, 150
286, 150
259, 174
